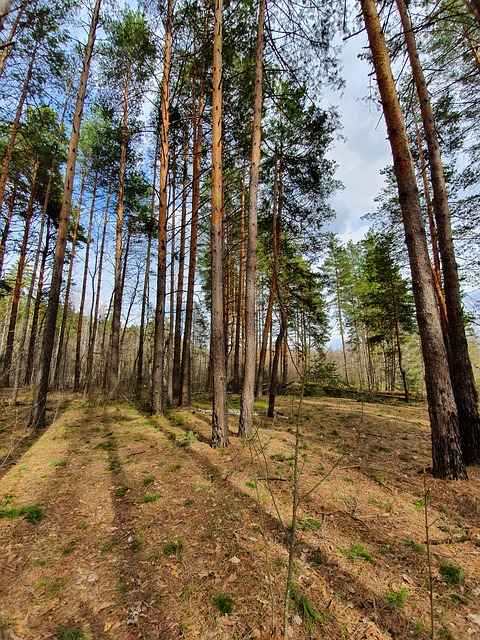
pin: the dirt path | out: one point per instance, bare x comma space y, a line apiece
149, 533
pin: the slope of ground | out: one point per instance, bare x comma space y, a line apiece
148, 533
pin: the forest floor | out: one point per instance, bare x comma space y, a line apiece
120, 526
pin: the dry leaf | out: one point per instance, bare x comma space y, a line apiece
173, 569
235, 560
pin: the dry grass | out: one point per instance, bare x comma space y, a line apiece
108, 562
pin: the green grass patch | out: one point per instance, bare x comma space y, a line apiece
108, 445
281, 457
107, 545
121, 491
358, 551
416, 546
187, 440
174, 547
305, 609
397, 599
58, 463
224, 604
136, 545
149, 480
308, 523
72, 633
152, 497
69, 547
451, 573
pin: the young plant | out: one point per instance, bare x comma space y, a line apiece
174, 547
396, 599
224, 604
305, 609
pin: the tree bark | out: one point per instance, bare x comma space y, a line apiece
184, 396
158, 348
78, 346
63, 324
6, 228
219, 409
446, 451
7, 359
7, 158
239, 352
463, 381
112, 377
94, 311
180, 279
13, 30
36, 309
266, 332
245, 424
37, 416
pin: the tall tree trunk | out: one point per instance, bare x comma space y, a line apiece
63, 324
159, 339
340, 316
37, 416
112, 376
266, 332
7, 358
276, 239
7, 158
141, 333
180, 279
461, 371
219, 409
78, 346
238, 350
446, 451
436, 267
36, 309
245, 424
171, 329
184, 396
95, 307
23, 340
45, 221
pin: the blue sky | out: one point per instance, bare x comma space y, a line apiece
366, 150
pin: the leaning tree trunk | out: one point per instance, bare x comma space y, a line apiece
219, 409
446, 451
159, 339
461, 371
245, 424
37, 416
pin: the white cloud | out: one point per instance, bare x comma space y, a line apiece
364, 153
